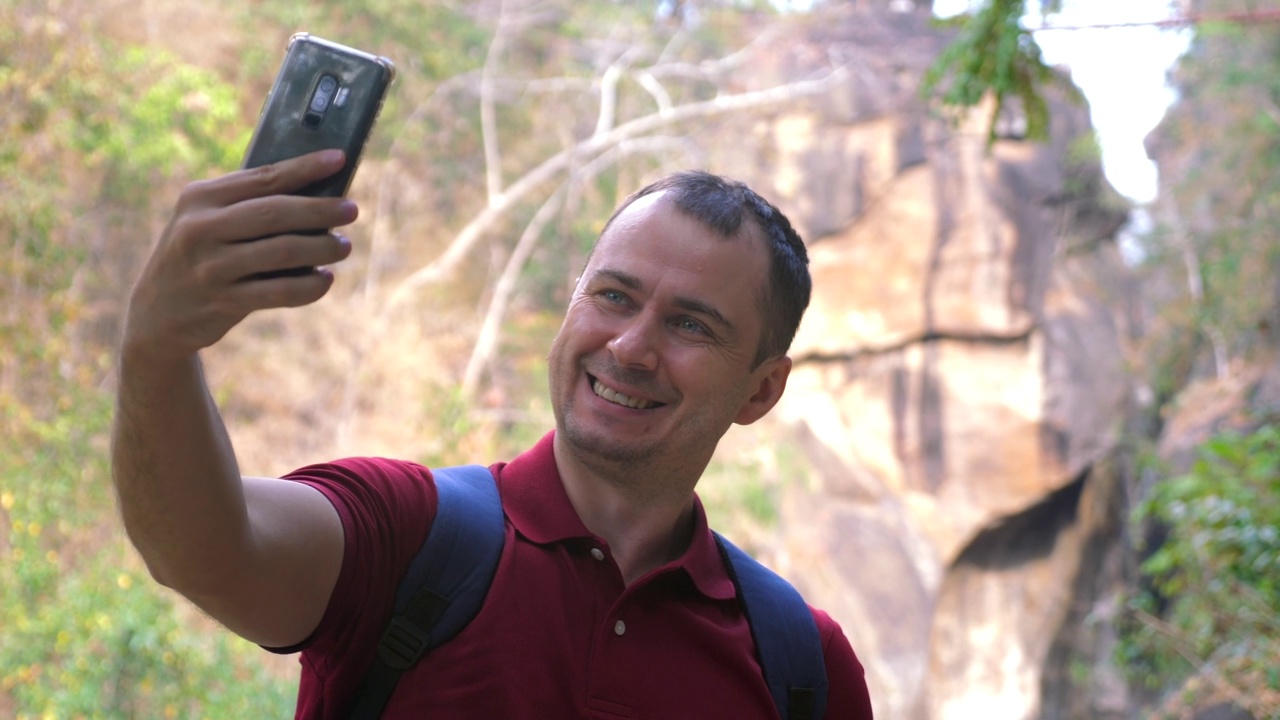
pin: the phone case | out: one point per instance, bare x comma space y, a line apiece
294, 121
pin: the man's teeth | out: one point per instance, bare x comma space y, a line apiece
618, 398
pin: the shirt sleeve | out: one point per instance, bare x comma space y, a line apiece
847, 694
386, 508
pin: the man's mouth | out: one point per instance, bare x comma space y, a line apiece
618, 398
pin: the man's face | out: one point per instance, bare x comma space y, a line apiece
653, 361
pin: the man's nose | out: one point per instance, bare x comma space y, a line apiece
635, 345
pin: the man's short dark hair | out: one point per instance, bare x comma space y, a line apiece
722, 204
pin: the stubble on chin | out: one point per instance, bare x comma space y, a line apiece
601, 453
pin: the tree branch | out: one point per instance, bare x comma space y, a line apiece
655, 90
521, 188
488, 116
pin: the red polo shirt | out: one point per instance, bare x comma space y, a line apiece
559, 636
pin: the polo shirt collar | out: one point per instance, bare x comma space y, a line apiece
537, 506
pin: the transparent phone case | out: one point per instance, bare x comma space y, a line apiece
292, 124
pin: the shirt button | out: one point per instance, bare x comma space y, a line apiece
597, 553
619, 628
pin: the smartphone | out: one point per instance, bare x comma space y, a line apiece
325, 96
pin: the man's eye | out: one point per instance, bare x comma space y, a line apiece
613, 296
691, 326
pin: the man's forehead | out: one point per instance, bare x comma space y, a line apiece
633, 212
655, 227
663, 201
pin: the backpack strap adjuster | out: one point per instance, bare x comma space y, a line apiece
402, 644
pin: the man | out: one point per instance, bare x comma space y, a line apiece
610, 599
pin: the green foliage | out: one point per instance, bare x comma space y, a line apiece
435, 40
993, 55
742, 487
1206, 623
1214, 595
1224, 196
82, 634
136, 113
156, 116
90, 129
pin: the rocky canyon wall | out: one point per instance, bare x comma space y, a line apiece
960, 383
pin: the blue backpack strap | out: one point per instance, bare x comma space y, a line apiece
445, 584
787, 642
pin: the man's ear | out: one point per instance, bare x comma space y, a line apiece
771, 380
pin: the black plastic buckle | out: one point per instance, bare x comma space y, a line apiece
800, 702
402, 644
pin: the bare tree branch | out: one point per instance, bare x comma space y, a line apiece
549, 85
549, 168
488, 115
656, 90
712, 69
487, 340
609, 96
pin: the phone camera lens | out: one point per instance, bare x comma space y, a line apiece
320, 100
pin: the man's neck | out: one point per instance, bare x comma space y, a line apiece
645, 515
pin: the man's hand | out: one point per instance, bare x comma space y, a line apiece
200, 280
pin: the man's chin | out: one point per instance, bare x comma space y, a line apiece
600, 447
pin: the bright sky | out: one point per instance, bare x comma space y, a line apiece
1121, 71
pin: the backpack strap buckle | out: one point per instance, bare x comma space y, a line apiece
402, 644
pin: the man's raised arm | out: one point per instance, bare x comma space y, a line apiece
259, 555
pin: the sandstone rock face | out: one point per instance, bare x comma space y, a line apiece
959, 386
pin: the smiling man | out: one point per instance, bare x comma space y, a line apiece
611, 598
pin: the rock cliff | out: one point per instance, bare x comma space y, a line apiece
960, 383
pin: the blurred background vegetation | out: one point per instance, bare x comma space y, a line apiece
111, 106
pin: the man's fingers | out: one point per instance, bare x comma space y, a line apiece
280, 178
282, 252
288, 291
267, 216
250, 291
256, 203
